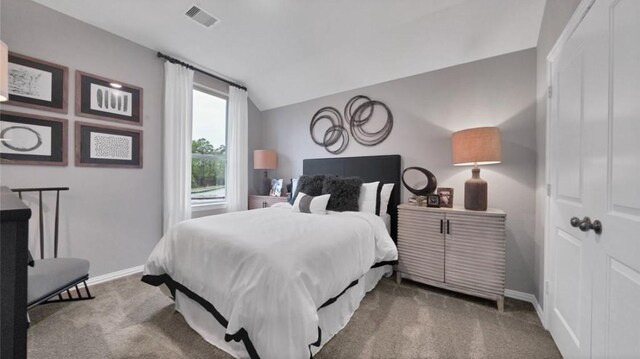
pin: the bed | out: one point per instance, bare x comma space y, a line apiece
272, 283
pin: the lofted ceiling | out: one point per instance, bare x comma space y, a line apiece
289, 51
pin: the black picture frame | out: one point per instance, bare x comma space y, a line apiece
101, 98
38, 84
39, 140
93, 150
433, 200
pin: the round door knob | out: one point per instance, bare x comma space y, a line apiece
597, 226
585, 225
575, 222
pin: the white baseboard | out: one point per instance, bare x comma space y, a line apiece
527, 297
114, 275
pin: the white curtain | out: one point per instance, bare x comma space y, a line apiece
237, 145
178, 100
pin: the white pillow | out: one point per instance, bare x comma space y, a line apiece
385, 196
294, 186
310, 204
368, 197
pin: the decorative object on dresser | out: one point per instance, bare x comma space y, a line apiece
256, 201
431, 185
265, 160
107, 146
446, 197
37, 84
4, 72
476, 146
433, 200
103, 99
32, 140
276, 187
454, 249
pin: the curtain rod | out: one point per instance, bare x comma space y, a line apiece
176, 61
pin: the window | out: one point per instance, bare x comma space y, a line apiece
208, 147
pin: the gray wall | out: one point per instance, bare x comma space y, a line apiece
556, 15
112, 217
255, 143
427, 108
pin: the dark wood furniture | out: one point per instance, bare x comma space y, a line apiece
256, 202
14, 229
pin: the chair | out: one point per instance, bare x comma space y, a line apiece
49, 278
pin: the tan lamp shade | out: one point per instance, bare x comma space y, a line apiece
265, 160
479, 145
4, 72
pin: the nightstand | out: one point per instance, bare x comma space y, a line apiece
454, 249
256, 202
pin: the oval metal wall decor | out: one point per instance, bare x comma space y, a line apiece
358, 112
432, 182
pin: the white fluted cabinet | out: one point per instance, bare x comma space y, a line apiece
453, 248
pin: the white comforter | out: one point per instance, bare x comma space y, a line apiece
269, 270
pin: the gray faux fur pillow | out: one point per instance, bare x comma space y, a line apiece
311, 185
344, 192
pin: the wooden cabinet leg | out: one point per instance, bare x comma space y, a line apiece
500, 303
398, 277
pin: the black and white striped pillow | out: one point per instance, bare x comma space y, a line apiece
310, 204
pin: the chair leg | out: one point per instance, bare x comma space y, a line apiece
86, 287
70, 297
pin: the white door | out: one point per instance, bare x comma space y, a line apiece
571, 250
595, 301
616, 170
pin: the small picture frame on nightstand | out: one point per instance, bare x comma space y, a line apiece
433, 200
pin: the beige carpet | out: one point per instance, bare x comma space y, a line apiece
130, 319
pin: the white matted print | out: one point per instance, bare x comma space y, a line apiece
25, 139
107, 99
29, 82
112, 147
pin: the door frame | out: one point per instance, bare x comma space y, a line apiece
580, 12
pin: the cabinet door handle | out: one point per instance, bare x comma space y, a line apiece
448, 227
441, 225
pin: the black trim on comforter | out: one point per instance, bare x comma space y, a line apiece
240, 335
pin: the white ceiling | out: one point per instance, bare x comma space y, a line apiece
288, 51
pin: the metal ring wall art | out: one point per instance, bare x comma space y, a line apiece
336, 132
358, 111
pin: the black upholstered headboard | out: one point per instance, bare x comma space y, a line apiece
385, 169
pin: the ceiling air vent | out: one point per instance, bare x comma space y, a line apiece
201, 16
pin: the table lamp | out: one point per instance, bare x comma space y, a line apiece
476, 146
265, 160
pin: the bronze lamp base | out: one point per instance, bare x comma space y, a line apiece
475, 192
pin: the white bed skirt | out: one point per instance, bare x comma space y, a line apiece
332, 318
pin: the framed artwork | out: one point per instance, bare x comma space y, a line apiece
103, 99
32, 140
276, 187
446, 197
37, 84
106, 146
